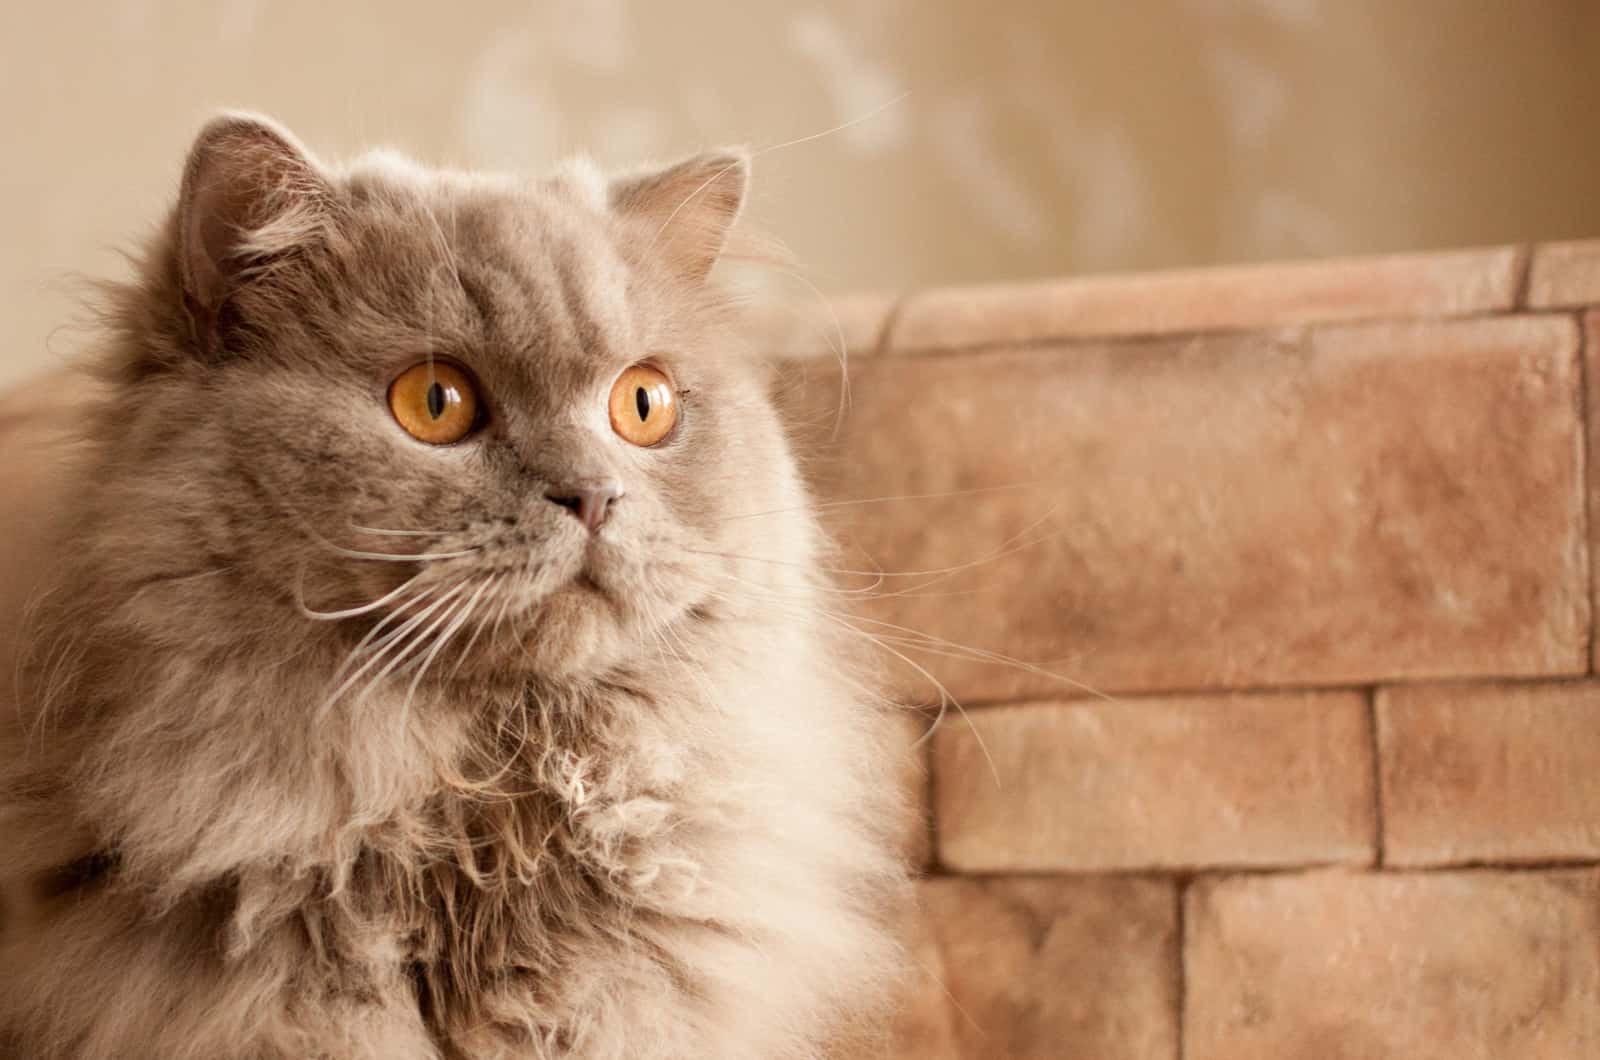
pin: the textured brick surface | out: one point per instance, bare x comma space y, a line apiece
1490, 772
1441, 966
1180, 782
1042, 969
1358, 504
1423, 285
1565, 274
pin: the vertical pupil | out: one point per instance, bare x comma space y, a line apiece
435, 400
641, 401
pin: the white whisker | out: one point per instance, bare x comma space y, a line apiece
384, 531
349, 612
498, 582
387, 644
463, 613
941, 495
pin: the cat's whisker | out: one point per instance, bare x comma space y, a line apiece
947, 649
836, 345
860, 573
417, 642
895, 498
402, 557
763, 152
348, 612
922, 641
841, 127
388, 642
687, 199
1010, 546
387, 532
462, 615
498, 581
375, 637
910, 592
946, 697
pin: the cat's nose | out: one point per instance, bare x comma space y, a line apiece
589, 502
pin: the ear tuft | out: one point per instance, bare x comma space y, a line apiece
689, 207
249, 191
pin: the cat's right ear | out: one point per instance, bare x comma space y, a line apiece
250, 193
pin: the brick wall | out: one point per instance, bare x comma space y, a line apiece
1297, 756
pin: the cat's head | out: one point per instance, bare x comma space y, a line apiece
490, 415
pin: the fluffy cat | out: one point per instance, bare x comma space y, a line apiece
406, 690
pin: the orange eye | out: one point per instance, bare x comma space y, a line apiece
643, 405
435, 402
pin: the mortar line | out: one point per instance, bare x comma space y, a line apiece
1287, 332
891, 321
1487, 864
1132, 697
1586, 459
1380, 854
1182, 936
1524, 267
931, 865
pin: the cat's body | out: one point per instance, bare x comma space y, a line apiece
618, 795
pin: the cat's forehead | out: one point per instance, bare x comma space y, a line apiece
524, 271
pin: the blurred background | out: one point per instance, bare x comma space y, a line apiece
981, 141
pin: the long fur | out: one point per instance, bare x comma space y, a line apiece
619, 799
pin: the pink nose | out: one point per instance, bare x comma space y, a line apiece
589, 502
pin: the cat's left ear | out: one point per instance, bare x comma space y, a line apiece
689, 207
250, 194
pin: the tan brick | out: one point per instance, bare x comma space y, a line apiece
1237, 298
1565, 274
814, 326
1440, 966
1044, 968
1342, 507
1490, 772
1183, 782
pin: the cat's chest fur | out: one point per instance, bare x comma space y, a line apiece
585, 851
558, 872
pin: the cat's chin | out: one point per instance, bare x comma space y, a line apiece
574, 632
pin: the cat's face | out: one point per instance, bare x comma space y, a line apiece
530, 388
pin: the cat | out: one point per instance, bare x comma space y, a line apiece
435, 668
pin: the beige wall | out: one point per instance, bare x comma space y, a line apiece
1030, 137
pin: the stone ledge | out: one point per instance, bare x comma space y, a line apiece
1565, 275
1236, 298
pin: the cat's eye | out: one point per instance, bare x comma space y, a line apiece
435, 402
644, 405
